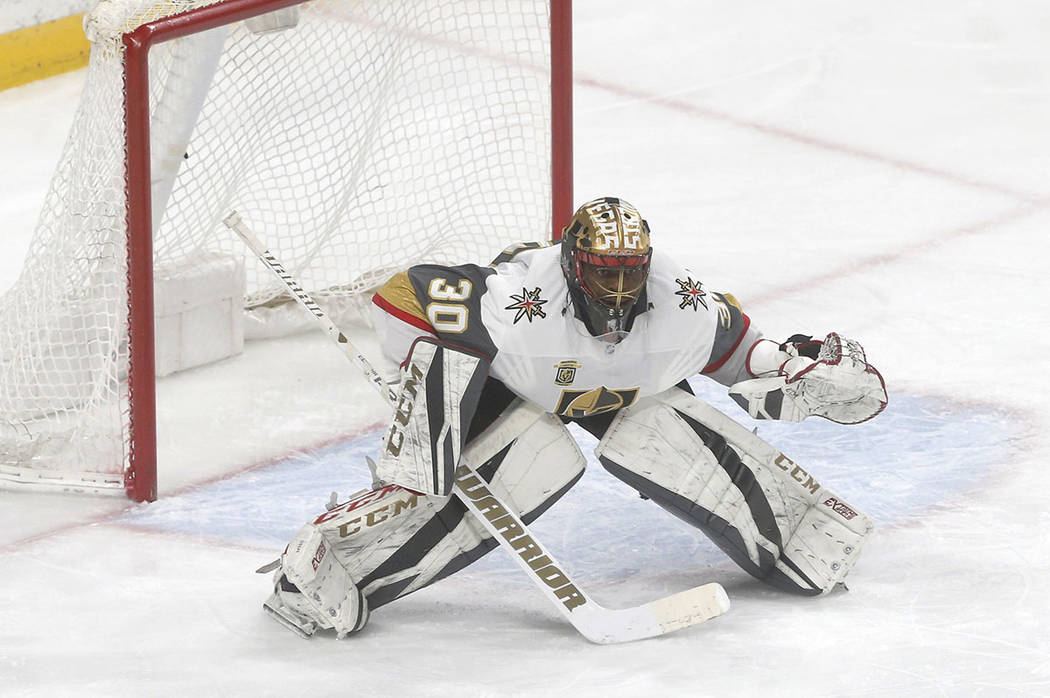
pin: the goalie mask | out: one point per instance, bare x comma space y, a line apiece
605, 256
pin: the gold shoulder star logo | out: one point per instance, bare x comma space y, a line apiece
691, 293
527, 304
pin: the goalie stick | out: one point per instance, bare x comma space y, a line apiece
595, 622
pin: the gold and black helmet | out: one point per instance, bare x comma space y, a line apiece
605, 255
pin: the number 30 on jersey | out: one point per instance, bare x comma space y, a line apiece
445, 312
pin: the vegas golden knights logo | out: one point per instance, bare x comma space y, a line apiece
565, 372
587, 403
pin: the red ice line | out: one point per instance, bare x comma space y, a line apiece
110, 517
806, 139
866, 264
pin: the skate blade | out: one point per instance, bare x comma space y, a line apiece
269, 567
302, 628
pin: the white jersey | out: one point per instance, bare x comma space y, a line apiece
518, 313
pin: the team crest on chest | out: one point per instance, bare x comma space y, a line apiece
587, 403
692, 294
528, 304
565, 372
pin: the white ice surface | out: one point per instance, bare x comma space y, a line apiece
879, 169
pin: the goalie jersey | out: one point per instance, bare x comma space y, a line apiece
517, 313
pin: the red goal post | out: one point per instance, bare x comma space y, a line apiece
474, 51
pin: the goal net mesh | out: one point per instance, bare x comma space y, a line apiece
355, 136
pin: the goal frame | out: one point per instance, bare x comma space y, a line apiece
140, 477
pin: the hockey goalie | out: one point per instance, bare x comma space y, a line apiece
601, 329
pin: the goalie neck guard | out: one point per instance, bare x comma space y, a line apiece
605, 255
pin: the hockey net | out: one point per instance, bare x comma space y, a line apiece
356, 136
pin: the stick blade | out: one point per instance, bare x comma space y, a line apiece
682, 610
691, 607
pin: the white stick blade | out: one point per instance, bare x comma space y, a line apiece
606, 626
691, 607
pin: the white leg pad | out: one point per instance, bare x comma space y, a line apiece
766, 511
825, 544
393, 541
328, 595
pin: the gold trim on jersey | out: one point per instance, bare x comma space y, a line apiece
511, 252
723, 301
731, 300
399, 292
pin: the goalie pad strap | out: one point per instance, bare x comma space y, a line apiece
439, 393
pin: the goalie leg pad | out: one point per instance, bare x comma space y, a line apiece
769, 515
312, 588
395, 541
440, 389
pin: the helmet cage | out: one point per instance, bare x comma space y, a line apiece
614, 281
